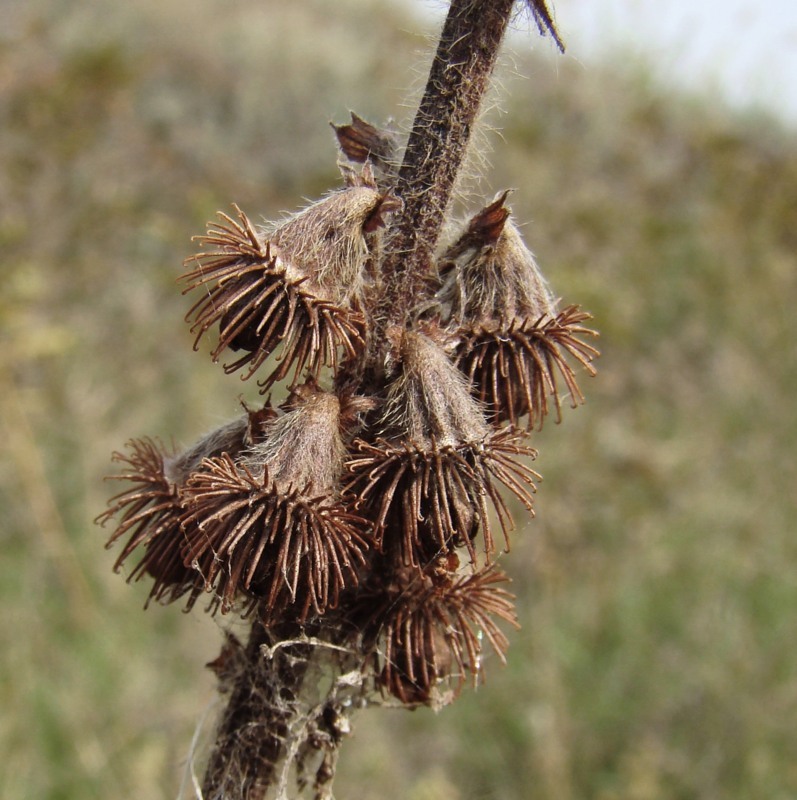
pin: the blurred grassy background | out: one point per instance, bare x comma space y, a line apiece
657, 586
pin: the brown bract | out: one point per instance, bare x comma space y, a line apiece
150, 513
362, 143
433, 499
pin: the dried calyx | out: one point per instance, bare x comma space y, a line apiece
508, 336
253, 517
489, 275
150, 511
427, 474
427, 628
270, 526
298, 284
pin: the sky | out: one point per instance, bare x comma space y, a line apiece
744, 51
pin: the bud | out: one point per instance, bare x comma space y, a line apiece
269, 525
429, 473
510, 340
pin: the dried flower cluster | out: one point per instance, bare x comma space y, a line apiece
283, 510
364, 509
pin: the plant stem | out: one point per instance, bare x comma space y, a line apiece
458, 79
264, 705
250, 740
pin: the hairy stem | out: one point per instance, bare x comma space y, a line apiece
250, 740
264, 707
458, 79
290, 695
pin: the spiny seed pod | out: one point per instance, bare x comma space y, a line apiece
151, 515
429, 474
270, 526
515, 369
431, 630
510, 340
299, 286
152, 507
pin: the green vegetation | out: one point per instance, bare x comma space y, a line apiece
657, 586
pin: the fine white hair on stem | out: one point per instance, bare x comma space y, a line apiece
189, 772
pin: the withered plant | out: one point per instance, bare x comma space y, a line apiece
356, 525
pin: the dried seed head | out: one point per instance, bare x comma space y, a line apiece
261, 297
510, 341
432, 629
428, 477
153, 506
150, 513
288, 554
284, 553
516, 370
270, 526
